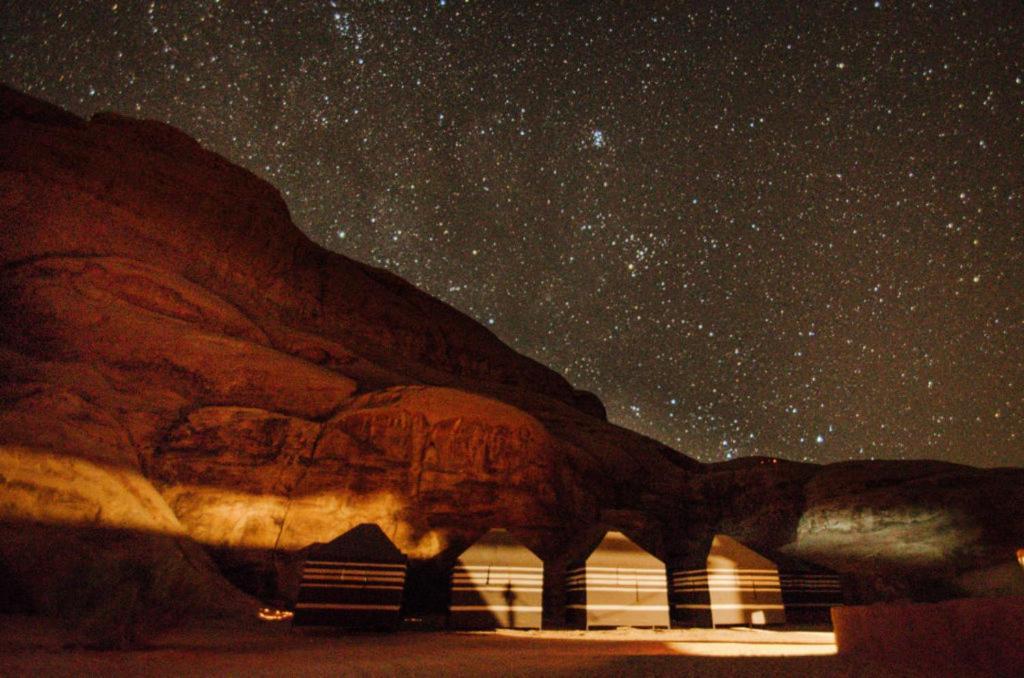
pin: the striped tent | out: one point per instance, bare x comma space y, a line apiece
497, 583
808, 591
619, 584
735, 586
354, 582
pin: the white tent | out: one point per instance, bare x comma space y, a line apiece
736, 586
497, 583
619, 584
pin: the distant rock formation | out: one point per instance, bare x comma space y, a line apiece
178, 359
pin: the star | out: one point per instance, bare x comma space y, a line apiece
675, 209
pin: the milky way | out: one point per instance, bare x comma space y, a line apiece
794, 231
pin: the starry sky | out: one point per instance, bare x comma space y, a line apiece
789, 229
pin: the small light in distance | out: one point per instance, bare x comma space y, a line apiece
271, 614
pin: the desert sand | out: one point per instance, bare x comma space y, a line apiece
30, 646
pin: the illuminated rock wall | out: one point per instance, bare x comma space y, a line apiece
177, 358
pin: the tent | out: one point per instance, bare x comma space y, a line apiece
497, 583
619, 584
808, 591
355, 581
735, 586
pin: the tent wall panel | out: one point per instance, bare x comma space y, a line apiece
809, 596
737, 586
497, 583
354, 582
497, 597
691, 599
619, 584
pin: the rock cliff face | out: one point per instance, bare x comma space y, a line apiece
921, 530
177, 359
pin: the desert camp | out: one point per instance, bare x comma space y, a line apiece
632, 338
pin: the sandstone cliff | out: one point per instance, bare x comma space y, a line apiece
178, 360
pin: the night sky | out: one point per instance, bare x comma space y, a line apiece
795, 231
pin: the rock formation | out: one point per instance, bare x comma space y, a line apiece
179, 361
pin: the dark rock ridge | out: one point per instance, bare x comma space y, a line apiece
178, 360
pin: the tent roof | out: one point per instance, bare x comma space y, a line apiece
499, 547
618, 550
363, 543
726, 552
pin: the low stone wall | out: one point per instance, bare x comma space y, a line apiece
983, 634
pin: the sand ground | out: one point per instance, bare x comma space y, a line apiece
32, 647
